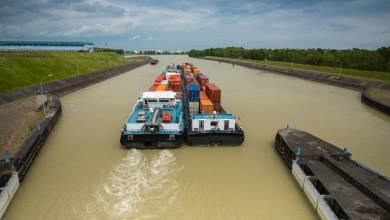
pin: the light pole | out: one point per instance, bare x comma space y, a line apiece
43, 101
341, 65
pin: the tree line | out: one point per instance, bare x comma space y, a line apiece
361, 59
118, 51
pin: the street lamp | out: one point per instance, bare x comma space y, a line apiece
43, 101
341, 65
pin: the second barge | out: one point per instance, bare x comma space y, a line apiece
208, 124
337, 186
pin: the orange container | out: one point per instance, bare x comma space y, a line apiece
206, 106
203, 95
196, 70
161, 87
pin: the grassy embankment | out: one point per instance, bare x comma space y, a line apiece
381, 76
22, 69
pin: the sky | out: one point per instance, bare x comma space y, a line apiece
199, 24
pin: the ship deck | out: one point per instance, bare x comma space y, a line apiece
356, 191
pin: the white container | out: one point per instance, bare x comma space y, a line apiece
194, 107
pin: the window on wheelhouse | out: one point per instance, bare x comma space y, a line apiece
214, 124
226, 125
201, 125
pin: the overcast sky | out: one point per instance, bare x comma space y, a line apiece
187, 24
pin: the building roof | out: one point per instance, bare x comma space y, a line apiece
45, 43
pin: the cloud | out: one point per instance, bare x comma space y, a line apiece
135, 37
201, 23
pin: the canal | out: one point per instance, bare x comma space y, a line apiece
83, 173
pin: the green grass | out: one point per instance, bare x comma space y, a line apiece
22, 69
382, 76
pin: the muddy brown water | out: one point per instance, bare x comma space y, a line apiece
83, 173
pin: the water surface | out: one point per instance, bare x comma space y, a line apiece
83, 173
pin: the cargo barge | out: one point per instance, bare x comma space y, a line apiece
207, 123
154, 61
157, 119
337, 186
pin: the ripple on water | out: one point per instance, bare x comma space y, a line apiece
137, 187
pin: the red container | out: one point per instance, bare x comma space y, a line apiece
159, 78
190, 78
202, 79
217, 106
213, 92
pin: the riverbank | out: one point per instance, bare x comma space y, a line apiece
65, 86
20, 110
377, 100
23, 69
357, 83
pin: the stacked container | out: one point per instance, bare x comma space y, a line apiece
159, 78
193, 97
214, 93
161, 87
202, 79
189, 78
195, 70
206, 106
174, 83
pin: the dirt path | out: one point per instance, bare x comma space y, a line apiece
17, 120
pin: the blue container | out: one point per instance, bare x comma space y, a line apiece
193, 92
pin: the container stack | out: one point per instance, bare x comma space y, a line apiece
162, 87
214, 93
174, 83
206, 106
193, 97
202, 79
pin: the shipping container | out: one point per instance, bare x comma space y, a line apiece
203, 95
206, 106
193, 92
161, 87
194, 107
196, 71
189, 78
178, 95
160, 78
217, 106
202, 79
213, 92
